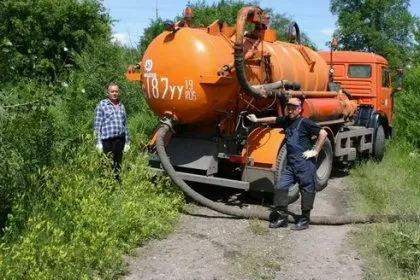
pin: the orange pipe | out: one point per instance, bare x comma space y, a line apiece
323, 109
318, 94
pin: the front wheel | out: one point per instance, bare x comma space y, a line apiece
324, 165
379, 144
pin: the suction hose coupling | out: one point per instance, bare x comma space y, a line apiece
256, 16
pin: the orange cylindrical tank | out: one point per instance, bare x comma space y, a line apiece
297, 63
179, 73
323, 109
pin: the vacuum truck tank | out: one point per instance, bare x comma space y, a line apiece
188, 73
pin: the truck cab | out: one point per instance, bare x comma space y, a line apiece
366, 78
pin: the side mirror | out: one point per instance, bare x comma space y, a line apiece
400, 74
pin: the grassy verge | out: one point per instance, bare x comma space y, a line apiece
81, 222
391, 251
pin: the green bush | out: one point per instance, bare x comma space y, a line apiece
100, 64
27, 134
82, 222
66, 216
407, 104
38, 37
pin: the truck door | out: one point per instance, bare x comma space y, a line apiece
385, 103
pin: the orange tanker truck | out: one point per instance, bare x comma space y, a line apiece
203, 82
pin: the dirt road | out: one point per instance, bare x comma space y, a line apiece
208, 245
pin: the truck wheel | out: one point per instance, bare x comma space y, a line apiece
280, 165
324, 165
379, 144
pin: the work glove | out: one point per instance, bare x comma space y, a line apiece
99, 147
126, 148
309, 154
252, 118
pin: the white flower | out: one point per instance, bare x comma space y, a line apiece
65, 49
83, 90
64, 84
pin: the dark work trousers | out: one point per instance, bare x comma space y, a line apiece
298, 169
113, 148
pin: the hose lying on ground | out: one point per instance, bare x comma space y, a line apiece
263, 215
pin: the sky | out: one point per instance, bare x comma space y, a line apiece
313, 16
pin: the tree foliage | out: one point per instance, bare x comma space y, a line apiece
383, 27
155, 28
281, 23
417, 40
38, 36
226, 10
407, 105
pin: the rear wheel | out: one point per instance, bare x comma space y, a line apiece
280, 165
324, 165
379, 144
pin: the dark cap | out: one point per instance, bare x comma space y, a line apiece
294, 101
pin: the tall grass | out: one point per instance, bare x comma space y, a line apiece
392, 251
83, 222
391, 186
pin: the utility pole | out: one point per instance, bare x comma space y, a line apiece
157, 9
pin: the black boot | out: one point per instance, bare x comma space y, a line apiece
307, 203
279, 216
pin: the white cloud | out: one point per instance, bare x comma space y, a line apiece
327, 31
121, 38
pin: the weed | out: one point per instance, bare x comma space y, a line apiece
85, 222
258, 227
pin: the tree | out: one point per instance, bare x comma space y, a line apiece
225, 10
281, 23
417, 45
38, 36
383, 27
155, 28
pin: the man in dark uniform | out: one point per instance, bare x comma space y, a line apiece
301, 163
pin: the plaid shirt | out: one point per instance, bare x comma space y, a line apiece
110, 121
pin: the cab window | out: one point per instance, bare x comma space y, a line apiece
359, 71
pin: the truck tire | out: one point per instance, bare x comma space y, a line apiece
378, 150
324, 166
280, 165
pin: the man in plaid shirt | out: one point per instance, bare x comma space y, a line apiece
111, 128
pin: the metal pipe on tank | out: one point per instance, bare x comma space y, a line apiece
256, 15
334, 107
305, 94
322, 109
